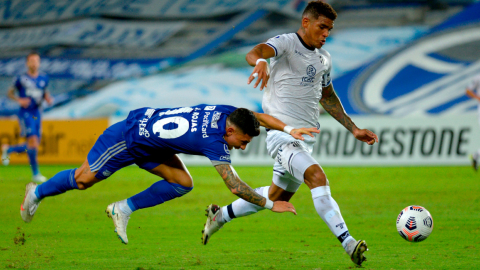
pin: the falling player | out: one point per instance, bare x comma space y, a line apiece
152, 138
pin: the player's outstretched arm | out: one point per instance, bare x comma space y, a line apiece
244, 191
331, 103
271, 122
261, 51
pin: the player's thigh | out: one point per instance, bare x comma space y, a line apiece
109, 153
32, 141
171, 168
295, 158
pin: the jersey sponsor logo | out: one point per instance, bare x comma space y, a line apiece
176, 111
215, 118
225, 158
149, 112
142, 131
210, 108
194, 121
205, 123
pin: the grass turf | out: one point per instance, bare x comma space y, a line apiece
71, 231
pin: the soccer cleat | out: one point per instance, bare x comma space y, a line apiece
5, 158
39, 179
29, 206
357, 255
474, 163
120, 220
214, 216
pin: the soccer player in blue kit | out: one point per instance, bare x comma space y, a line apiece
151, 138
32, 90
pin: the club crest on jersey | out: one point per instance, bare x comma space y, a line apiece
311, 71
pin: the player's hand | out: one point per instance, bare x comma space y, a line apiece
281, 206
261, 72
49, 99
297, 132
24, 102
365, 135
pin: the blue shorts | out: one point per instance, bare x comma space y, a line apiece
110, 153
30, 124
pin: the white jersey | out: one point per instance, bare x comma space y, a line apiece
297, 76
474, 86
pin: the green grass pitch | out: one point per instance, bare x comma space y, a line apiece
71, 231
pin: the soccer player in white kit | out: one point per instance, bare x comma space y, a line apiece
473, 91
299, 79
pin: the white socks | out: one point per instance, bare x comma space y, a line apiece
123, 205
241, 208
327, 208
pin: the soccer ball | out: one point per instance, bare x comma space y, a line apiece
414, 223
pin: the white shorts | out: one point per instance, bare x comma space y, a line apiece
292, 158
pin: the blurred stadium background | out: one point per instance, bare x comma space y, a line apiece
400, 68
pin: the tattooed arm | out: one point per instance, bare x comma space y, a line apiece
244, 191
334, 107
331, 103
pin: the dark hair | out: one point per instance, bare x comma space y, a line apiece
246, 121
317, 8
31, 53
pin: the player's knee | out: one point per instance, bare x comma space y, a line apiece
315, 177
168, 190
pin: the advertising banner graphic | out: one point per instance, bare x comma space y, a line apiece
62, 142
409, 141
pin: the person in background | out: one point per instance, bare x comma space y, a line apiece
29, 90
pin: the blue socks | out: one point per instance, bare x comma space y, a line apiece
158, 193
60, 183
19, 148
32, 155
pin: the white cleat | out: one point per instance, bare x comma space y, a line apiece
120, 220
214, 216
29, 204
357, 254
5, 157
39, 179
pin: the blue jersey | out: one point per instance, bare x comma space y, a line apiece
33, 88
196, 130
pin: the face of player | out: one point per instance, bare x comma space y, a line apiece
33, 63
236, 139
316, 31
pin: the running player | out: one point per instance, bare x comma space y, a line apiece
300, 78
31, 88
473, 91
151, 138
